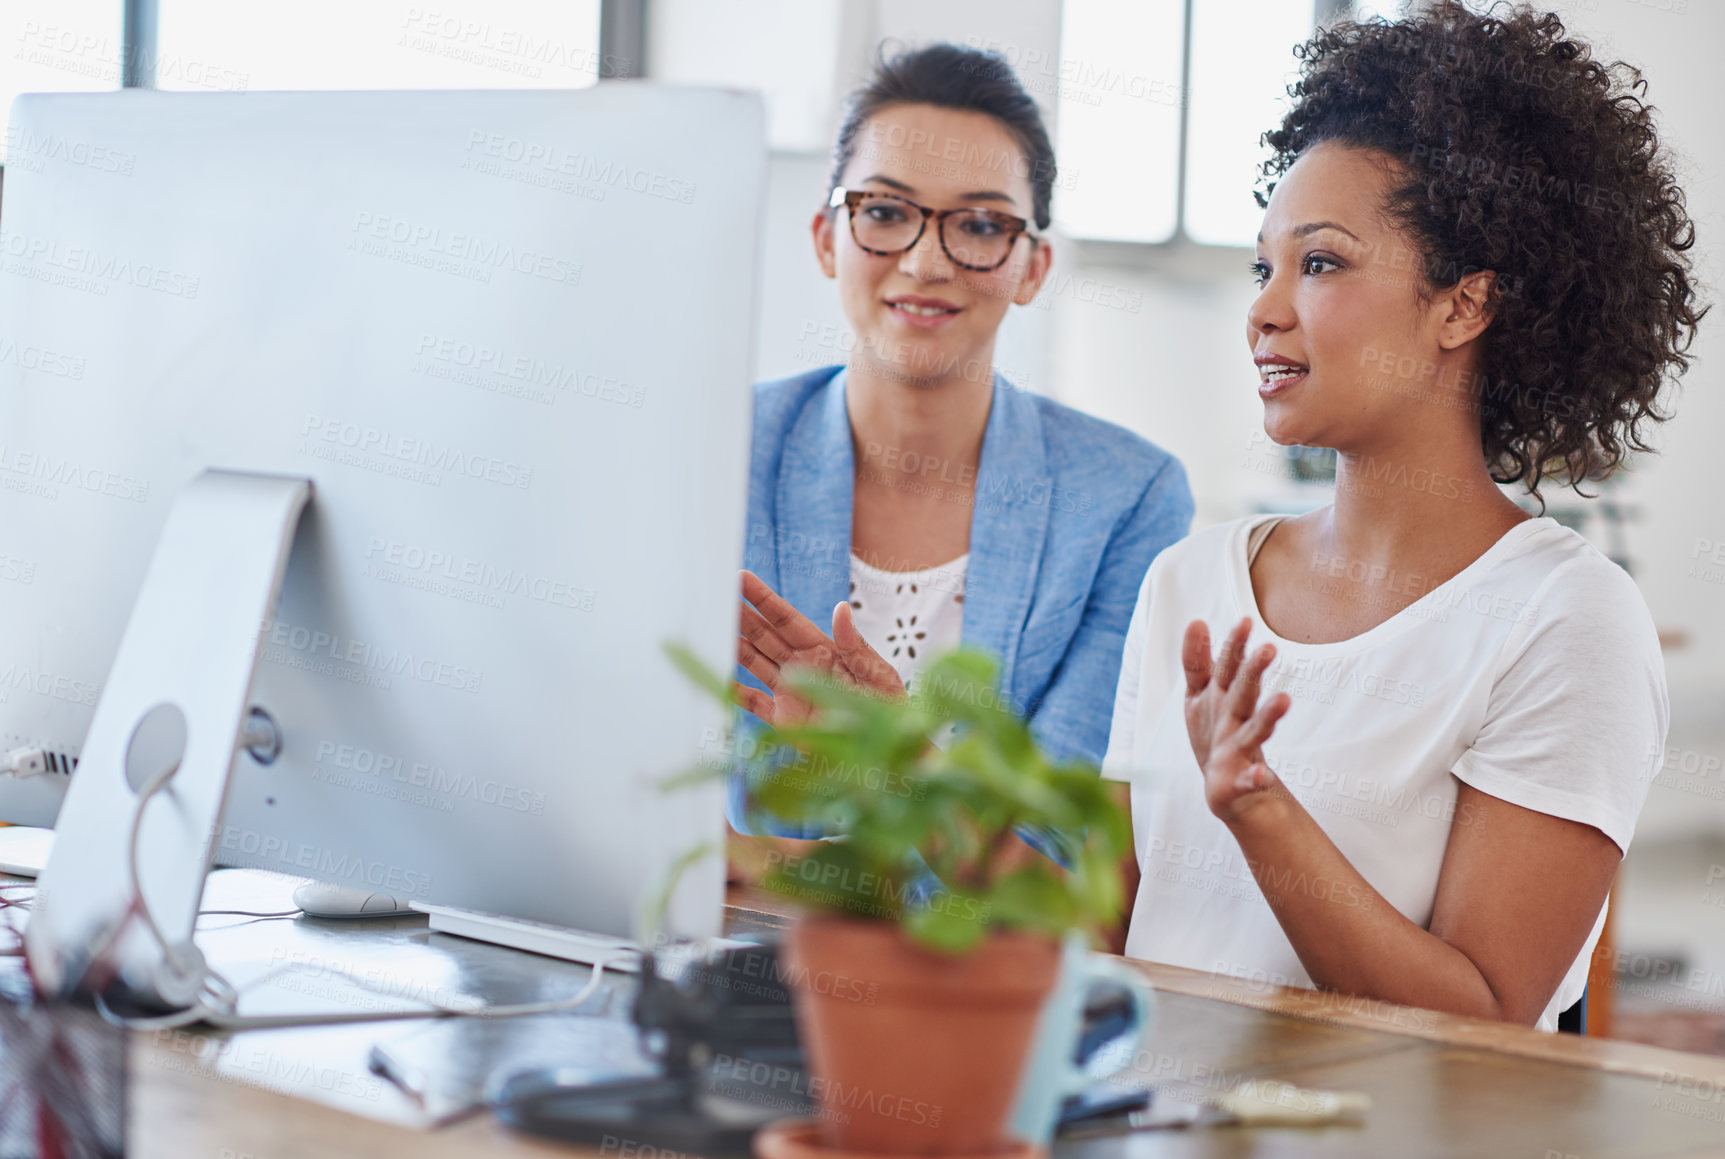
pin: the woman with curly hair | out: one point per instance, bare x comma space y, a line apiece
1415, 764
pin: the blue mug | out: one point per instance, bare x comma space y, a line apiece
1053, 1073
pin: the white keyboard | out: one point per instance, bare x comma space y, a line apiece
536, 937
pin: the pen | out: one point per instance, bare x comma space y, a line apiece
1254, 1103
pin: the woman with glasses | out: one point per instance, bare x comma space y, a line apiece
914, 498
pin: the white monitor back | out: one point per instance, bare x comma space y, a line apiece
508, 335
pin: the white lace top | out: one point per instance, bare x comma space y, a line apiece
909, 616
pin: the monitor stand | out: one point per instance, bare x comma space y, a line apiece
177, 704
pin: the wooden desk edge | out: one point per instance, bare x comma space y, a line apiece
1629, 1058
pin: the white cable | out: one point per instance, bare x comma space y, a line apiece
438, 1009
29, 761
227, 1019
217, 1001
185, 957
142, 903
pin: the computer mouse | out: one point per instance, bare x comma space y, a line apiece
320, 899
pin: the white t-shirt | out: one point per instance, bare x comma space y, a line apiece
909, 616
1534, 675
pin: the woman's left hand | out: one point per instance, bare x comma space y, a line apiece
773, 638
1225, 721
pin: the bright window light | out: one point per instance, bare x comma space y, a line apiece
1364, 10
240, 45
56, 46
1242, 62
1119, 123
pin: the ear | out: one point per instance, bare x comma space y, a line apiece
821, 229
1467, 309
1035, 272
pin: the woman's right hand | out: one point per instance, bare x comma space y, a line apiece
1207, 681
1227, 721
774, 638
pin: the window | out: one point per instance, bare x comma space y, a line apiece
1241, 64
1124, 93
1119, 119
240, 45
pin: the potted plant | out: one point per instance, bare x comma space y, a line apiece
929, 943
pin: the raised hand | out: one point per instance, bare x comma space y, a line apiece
773, 638
865, 667
1225, 721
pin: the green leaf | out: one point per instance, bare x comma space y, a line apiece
653, 917
1033, 898
837, 876
1095, 883
699, 674
694, 775
952, 923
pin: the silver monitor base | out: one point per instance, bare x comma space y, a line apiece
176, 704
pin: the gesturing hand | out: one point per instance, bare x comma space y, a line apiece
773, 638
1225, 722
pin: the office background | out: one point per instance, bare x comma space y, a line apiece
1156, 106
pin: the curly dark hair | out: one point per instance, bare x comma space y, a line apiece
1516, 151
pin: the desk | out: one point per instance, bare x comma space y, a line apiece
1441, 1085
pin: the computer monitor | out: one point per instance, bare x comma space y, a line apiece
507, 335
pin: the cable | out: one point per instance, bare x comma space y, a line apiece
29, 761
8, 900
228, 1019
140, 903
210, 997
189, 975
438, 1009
7, 904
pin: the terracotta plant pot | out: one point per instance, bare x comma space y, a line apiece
914, 1052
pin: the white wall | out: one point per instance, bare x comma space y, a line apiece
800, 325
789, 48
1682, 490
1173, 365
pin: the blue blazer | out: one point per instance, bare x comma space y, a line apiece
1070, 510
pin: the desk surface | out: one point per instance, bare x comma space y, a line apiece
1440, 1085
